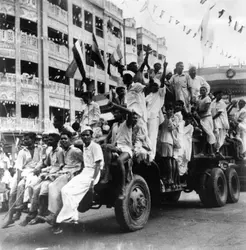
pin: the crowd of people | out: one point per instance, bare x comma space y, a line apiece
155, 116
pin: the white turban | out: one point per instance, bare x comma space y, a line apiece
85, 128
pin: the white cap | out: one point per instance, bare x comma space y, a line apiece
85, 128
53, 132
128, 72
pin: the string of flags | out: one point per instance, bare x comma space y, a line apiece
237, 27
188, 31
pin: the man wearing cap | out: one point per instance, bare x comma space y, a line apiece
195, 83
74, 191
28, 160
53, 163
91, 110
135, 97
73, 162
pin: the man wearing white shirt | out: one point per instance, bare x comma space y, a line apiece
195, 83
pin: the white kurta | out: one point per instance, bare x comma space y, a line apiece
241, 130
154, 103
74, 191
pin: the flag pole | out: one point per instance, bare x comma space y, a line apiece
124, 39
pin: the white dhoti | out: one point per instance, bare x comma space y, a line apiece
208, 127
220, 135
73, 192
30, 181
153, 128
55, 200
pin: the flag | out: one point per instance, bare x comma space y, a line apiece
221, 13
188, 32
72, 67
194, 35
177, 22
95, 53
235, 26
110, 26
184, 28
79, 58
170, 20
230, 20
241, 29
162, 13
202, 1
116, 56
145, 6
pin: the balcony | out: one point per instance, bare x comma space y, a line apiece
9, 124
58, 50
29, 41
54, 11
58, 89
29, 83
28, 3
7, 36
7, 80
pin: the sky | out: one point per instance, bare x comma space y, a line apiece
183, 47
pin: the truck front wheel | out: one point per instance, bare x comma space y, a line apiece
132, 213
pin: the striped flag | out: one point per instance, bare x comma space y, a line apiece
116, 56
70, 72
79, 58
95, 53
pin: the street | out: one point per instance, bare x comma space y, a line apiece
185, 225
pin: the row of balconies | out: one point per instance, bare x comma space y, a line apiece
9, 80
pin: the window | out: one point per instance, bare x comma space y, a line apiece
77, 16
128, 40
133, 42
99, 26
88, 21
78, 88
117, 32
57, 75
7, 65
57, 37
7, 22
100, 87
29, 111
160, 56
30, 69
7, 109
88, 60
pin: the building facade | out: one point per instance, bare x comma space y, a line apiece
36, 40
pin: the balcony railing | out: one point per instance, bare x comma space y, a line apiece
58, 50
9, 124
32, 3
58, 88
7, 36
7, 79
55, 11
29, 82
28, 40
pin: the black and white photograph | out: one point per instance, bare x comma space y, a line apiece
122, 124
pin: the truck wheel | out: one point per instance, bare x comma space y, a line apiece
132, 213
217, 188
233, 185
203, 191
172, 196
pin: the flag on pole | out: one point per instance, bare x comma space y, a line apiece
145, 6
95, 53
72, 67
241, 29
79, 59
202, 1
116, 56
235, 26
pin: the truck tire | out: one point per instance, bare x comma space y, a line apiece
172, 196
217, 188
203, 191
233, 185
132, 213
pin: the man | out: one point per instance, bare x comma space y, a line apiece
73, 161
75, 190
4, 159
91, 111
121, 98
53, 163
155, 101
182, 89
28, 162
221, 123
195, 83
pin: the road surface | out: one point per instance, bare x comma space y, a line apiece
185, 225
